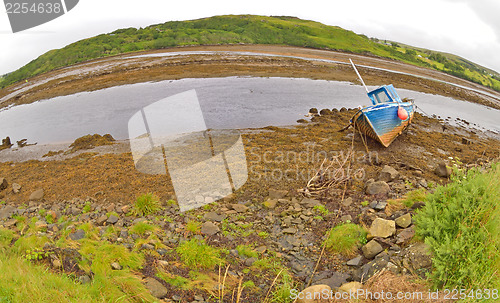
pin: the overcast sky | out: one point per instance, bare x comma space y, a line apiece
468, 28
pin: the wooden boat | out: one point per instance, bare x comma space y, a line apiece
387, 117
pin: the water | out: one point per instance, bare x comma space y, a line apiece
233, 102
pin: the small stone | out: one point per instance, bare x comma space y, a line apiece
356, 261
84, 279
56, 263
378, 205
213, 216
313, 294
100, 221
79, 234
240, 208
3, 183
277, 194
112, 219
208, 228
16, 188
37, 195
404, 221
147, 246
442, 170
10, 223
270, 204
116, 266
290, 230
377, 188
382, 228
250, 261
156, 288
346, 218
371, 249
347, 202
7, 211
351, 287
388, 174
163, 263
405, 235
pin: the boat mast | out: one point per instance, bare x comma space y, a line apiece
357, 73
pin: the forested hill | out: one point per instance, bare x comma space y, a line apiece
248, 29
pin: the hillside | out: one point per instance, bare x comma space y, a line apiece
248, 29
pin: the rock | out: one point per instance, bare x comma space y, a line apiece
346, 218
277, 194
417, 259
208, 228
335, 280
163, 263
100, 221
404, 221
378, 205
442, 170
155, 288
116, 266
347, 202
382, 228
314, 294
37, 195
112, 219
313, 110
56, 263
270, 204
371, 249
213, 216
377, 188
250, 261
405, 235
10, 223
466, 141
240, 208
290, 230
147, 246
388, 174
7, 211
370, 269
84, 279
16, 188
79, 234
355, 261
325, 112
351, 287
3, 183
302, 121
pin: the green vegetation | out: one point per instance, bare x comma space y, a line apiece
146, 204
197, 254
461, 224
322, 210
413, 196
345, 238
141, 228
249, 29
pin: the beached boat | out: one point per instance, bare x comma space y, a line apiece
387, 117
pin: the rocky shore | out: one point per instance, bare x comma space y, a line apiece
265, 228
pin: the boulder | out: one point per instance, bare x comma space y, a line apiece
240, 208
387, 174
335, 280
405, 235
404, 221
377, 188
371, 249
37, 195
382, 228
7, 211
314, 294
213, 216
442, 170
277, 194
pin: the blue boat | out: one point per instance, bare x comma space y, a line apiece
387, 117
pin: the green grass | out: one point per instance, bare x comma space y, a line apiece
193, 227
248, 29
413, 196
146, 204
141, 228
461, 224
345, 238
197, 254
247, 251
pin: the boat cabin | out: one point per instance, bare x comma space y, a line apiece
384, 94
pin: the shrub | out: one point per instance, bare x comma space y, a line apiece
146, 204
345, 238
461, 224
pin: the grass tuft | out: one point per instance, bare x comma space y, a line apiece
345, 238
197, 254
146, 204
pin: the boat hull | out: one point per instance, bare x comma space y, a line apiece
381, 122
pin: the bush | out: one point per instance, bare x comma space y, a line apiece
461, 224
146, 204
345, 238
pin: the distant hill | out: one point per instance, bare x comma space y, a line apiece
249, 29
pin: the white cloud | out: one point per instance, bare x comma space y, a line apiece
469, 28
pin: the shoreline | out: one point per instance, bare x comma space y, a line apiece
131, 68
